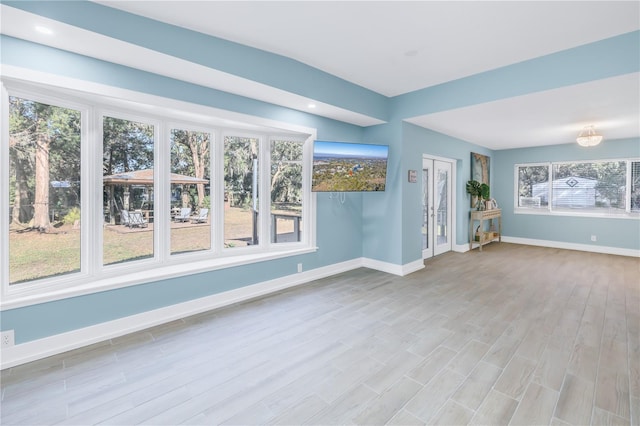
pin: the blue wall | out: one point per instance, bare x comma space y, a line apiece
381, 215
339, 226
381, 226
418, 141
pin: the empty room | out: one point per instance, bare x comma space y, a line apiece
316, 212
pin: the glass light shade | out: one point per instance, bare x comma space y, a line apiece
588, 137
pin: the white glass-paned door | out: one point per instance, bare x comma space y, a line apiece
427, 207
436, 207
442, 196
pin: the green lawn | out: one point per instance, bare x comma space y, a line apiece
34, 255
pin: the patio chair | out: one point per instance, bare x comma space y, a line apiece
137, 219
184, 214
124, 217
201, 217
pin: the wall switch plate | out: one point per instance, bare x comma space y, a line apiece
299, 267
594, 238
7, 338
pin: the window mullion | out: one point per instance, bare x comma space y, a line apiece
161, 191
264, 192
550, 189
91, 193
217, 191
627, 192
95, 176
4, 188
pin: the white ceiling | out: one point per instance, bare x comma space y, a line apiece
394, 47
546, 118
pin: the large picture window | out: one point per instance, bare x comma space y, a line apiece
592, 188
159, 196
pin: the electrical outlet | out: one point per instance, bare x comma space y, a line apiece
299, 267
594, 238
7, 338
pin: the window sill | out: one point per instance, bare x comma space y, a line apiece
577, 213
134, 275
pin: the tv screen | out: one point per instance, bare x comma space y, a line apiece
349, 167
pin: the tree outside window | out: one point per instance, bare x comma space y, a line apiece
241, 185
44, 190
190, 189
286, 191
128, 182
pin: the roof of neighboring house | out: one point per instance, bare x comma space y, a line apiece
145, 177
570, 182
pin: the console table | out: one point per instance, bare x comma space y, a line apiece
484, 237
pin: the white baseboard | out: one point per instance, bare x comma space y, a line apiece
572, 246
461, 248
392, 268
52, 345
59, 343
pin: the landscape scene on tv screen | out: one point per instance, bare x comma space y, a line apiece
348, 167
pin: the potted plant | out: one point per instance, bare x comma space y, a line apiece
480, 191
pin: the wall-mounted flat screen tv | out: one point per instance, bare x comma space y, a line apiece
349, 167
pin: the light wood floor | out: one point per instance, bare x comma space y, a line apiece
512, 335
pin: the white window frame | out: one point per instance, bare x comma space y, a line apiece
86, 232
213, 211
306, 183
95, 101
158, 173
549, 210
229, 251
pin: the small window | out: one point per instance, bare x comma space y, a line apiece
533, 187
44, 190
241, 191
190, 191
286, 191
128, 183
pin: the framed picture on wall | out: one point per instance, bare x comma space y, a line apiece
480, 166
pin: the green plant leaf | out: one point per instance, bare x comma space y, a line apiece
485, 191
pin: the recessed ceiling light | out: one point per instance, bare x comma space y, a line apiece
311, 105
43, 30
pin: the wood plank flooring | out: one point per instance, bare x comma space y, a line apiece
513, 335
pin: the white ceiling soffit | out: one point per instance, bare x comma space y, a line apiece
550, 117
20, 24
395, 47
